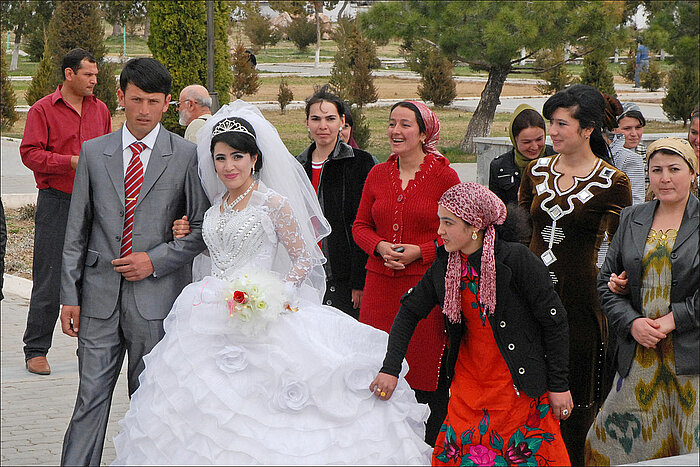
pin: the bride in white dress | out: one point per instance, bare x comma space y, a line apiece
252, 368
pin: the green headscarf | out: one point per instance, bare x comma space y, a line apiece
520, 160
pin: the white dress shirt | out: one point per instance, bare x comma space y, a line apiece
149, 140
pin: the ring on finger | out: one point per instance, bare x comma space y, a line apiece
565, 412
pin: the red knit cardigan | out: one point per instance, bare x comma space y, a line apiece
387, 212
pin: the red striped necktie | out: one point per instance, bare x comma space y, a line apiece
132, 186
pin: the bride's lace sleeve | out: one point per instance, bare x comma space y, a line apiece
288, 233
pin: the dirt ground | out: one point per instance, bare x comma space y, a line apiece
20, 242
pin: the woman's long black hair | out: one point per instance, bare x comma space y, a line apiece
588, 107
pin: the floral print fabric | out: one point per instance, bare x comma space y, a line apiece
489, 420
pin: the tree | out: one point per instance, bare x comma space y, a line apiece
259, 29
36, 35
79, 24
118, 12
627, 71
596, 73
360, 130
351, 74
489, 36
437, 84
74, 24
245, 81
43, 82
8, 116
556, 74
675, 26
284, 95
23, 17
654, 78
178, 39
302, 32
302, 7
682, 95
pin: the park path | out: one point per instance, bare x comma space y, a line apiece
35, 410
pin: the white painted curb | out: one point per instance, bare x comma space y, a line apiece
17, 286
16, 201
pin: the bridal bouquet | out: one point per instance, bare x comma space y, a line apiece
254, 300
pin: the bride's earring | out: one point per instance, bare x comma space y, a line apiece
474, 235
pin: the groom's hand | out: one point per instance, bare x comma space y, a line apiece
134, 267
70, 319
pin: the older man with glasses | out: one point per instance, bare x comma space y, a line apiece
194, 108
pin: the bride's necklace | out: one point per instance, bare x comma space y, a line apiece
232, 204
228, 209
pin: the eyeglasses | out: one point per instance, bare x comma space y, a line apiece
177, 103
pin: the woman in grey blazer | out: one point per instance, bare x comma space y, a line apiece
648, 289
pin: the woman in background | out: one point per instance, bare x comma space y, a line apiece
527, 133
573, 199
623, 158
396, 226
337, 173
649, 291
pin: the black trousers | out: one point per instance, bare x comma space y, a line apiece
574, 431
49, 231
339, 295
438, 401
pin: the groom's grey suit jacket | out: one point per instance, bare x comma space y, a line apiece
171, 189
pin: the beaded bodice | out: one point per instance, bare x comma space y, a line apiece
250, 237
234, 239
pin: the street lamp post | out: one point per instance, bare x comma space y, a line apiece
210, 56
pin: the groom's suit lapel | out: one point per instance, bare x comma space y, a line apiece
160, 155
114, 163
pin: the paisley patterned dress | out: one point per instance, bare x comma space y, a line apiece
653, 412
489, 422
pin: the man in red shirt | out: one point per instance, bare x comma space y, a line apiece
57, 125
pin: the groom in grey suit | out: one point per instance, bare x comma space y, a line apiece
122, 269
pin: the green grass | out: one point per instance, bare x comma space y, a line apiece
453, 124
135, 46
20, 87
25, 67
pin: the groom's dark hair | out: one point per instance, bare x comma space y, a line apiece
147, 74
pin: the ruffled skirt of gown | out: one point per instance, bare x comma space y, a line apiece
296, 393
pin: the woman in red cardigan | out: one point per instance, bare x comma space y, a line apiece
397, 226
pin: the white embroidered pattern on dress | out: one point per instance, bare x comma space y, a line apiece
239, 238
552, 234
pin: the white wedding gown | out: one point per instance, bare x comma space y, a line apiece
295, 393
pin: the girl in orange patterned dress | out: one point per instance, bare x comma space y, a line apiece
508, 340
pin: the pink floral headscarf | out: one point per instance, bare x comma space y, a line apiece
481, 208
432, 127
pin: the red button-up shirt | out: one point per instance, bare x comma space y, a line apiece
54, 133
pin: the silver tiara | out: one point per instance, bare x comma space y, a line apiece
230, 125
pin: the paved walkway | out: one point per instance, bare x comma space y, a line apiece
34, 409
